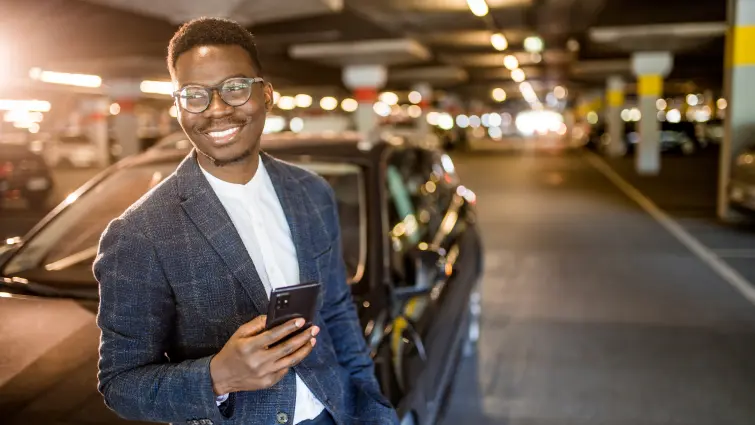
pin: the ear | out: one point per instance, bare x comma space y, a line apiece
269, 98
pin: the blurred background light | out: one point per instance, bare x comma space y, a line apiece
303, 100
349, 104
328, 103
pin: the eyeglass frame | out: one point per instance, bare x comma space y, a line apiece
216, 88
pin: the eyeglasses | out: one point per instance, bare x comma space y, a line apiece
233, 91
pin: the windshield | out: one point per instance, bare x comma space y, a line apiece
69, 242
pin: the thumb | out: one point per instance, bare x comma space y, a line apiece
252, 328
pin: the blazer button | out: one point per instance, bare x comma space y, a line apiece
281, 417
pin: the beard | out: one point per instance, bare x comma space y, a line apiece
225, 162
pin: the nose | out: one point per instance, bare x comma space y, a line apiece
218, 108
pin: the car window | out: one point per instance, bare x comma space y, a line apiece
71, 239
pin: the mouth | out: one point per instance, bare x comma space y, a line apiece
223, 137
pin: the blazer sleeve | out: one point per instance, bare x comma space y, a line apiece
135, 316
340, 315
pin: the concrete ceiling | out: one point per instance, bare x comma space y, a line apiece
442, 38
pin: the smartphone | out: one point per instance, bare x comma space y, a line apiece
292, 302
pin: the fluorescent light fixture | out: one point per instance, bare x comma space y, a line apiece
79, 80
157, 87
26, 105
478, 7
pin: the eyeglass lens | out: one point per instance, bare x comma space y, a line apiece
234, 92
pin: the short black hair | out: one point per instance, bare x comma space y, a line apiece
211, 32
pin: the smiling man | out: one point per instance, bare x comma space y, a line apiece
186, 272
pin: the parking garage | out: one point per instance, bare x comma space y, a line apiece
599, 148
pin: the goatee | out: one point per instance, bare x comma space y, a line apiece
223, 162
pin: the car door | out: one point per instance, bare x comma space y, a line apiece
423, 327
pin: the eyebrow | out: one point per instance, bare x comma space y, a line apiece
240, 75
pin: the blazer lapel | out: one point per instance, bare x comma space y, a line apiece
204, 208
296, 206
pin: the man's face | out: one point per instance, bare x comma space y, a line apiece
224, 133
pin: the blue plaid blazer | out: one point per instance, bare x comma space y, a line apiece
176, 282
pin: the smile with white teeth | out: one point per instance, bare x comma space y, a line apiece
224, 133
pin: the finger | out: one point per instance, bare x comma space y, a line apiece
295, 358
252, 328
293, 344
279, 332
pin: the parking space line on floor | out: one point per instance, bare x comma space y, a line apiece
726, 272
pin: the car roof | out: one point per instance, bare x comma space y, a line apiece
346, 146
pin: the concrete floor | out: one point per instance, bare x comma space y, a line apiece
592, 312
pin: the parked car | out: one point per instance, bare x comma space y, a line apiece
411, 248
69, 152
23, 175
742, 187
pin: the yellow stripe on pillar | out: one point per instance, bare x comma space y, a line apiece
743, 48
650, 85
615, 98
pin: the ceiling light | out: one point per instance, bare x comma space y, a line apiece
79, 80
156, 87
499, 95
286, 103
722, 103
328, 103
478, 7
511, 62
415, 97
26, 105
518, 75
660, 104
389, 98
349, 105
303, 100
533, 44
692, 100
499, 41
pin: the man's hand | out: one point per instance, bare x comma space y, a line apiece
247, 363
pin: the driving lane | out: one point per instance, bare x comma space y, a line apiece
592, 312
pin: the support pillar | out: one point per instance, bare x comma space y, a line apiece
96, 128
650, 68
125, 124
739, 91
365, 81
614, 123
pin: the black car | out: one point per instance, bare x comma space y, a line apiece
742, 187
411, 248
23, 175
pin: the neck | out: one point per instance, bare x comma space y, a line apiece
240, 172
